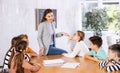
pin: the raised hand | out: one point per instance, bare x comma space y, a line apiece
41, 51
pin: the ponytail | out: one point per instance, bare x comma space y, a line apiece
20, 47
18, 62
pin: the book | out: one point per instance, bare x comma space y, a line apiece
53, 62
70, 65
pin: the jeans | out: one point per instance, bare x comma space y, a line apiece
55, 51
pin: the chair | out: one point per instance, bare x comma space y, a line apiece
1, 69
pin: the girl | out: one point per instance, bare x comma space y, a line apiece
46, 35
10, 53
18, 63
28, 49
80, 48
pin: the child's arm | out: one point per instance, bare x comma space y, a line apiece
70, 39
75, 51
71, 55
31, 67
31, 52
69, 42
112, 67
103, 63
88, 56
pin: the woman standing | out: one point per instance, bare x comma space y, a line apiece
46, 35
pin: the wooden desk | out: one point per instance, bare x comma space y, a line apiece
86, 66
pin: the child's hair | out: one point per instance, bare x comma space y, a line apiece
81, 35
96, 40
115, 48
45, 13
23, 36
19, 57
13, 43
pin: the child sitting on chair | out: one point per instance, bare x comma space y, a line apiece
113, 62
28, 49
19, 63
97, 53
80, 47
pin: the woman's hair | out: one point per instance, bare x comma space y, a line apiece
96, 40
81, 35
19, 57
115, 48
23, 36
45, 13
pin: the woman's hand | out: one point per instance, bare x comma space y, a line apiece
41, 51
65, 34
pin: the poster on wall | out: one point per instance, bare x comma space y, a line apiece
39, 15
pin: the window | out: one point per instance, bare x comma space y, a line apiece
112, 9
86, 8
112, 13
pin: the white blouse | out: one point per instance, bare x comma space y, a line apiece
80, 49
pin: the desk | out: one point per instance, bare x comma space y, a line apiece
86, 66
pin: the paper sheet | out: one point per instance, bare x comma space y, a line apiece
53, 61
70, 65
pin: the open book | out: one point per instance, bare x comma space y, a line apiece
52, 62
70, 65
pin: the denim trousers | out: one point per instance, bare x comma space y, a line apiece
55, 51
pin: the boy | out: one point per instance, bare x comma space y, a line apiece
113, 62
97, 53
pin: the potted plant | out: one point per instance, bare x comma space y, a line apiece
119, 21
96, 20
118, 32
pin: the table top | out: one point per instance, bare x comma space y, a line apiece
86, 66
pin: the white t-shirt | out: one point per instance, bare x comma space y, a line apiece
80, 49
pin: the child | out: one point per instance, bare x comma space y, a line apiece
113, 62
18, 63
80, 48
10, 53
97, 53
28, 50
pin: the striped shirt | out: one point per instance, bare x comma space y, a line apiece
114, 67
9, 55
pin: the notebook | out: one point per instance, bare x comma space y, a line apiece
70, 65
52, 62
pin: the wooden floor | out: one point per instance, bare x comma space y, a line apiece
86, 66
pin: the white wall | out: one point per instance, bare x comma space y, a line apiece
18, 16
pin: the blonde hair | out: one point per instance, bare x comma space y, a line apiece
23, 36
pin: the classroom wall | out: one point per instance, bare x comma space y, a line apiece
18, 16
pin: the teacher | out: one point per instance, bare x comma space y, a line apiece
46, 35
